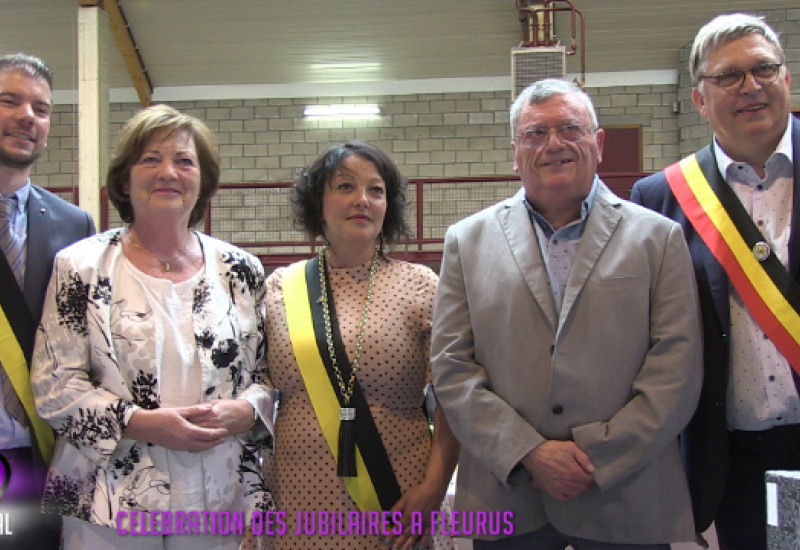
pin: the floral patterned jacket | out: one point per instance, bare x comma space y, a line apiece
88, 396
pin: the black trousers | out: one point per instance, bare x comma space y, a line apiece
742, 517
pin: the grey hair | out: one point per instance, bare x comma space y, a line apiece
542, 90
723, 29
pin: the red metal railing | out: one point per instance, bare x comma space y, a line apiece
420, 248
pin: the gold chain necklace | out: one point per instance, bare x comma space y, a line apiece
346, 465
347, 391
165, 263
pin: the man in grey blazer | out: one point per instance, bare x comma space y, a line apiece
35, 225
566, 348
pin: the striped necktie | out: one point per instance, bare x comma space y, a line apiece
9, 243
15, 254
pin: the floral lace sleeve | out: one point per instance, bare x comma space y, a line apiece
72, 351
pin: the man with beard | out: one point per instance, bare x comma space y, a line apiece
34, 225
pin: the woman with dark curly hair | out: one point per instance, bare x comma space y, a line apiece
148, 357
348, 334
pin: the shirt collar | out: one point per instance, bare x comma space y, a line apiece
784, 148
586, 208
22, 195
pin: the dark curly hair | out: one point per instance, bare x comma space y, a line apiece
309, 187
134, 138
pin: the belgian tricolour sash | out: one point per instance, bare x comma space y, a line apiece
375, 487
17, 330
770, 294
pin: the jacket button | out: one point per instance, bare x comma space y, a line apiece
558, 409
552, 349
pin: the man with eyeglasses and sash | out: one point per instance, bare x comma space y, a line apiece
566, 349
739, 210
34, 225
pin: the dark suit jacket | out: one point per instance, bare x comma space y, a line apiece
705, 441
52, 224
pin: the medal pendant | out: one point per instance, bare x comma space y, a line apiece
761, 251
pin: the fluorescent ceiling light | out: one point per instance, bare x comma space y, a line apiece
354, 66
361, 109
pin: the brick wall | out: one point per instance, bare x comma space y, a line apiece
429, 136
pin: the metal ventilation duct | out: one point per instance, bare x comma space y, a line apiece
531, 64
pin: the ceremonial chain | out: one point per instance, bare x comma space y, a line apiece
346, 391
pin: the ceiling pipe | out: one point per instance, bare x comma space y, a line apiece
536, 17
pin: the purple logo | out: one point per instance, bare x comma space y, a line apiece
5, 472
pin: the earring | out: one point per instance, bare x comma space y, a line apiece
325, 240
381, 243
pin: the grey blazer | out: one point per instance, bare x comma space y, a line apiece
618, 371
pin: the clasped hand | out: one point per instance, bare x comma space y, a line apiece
560, 469
193, 428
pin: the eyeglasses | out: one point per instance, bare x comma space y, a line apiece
764, 74
567, 133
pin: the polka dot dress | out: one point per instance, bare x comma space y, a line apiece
301, 472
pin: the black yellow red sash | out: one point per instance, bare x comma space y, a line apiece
17, 330
770, 294
375, 487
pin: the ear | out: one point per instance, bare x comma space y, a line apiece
699, 101
600, 136
514, 166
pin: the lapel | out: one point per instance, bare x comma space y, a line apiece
518, 230
717, 284
715, 273
40, 252
203, 322
794, 238
600, 225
